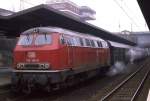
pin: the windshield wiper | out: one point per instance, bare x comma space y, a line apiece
45, 36
28, 37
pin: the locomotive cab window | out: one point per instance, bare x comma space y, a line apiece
25, 40
43, 39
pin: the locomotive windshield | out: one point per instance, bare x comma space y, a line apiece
25, 40
40, 39
43, 39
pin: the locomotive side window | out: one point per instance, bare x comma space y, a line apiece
95, 42
72, 41
78, 41
92, 43
81, 41
69, 40
104, 44
84, 42
87, 42
43, 39
62, 40
25, 40
99, 44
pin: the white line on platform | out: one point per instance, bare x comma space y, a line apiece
148, 97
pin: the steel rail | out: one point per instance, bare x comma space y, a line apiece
122, 83
142, 82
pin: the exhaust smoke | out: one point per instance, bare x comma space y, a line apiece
117, 68
135, 54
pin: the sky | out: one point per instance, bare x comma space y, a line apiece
111, 15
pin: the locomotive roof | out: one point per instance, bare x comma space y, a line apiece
46, 30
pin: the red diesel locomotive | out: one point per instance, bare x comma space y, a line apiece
51, 57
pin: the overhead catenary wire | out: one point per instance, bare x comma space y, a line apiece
133, 13
25, 1
126, 13
22, 4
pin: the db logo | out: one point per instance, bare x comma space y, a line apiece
31, 55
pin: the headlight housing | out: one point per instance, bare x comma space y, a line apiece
33, 66
20, 66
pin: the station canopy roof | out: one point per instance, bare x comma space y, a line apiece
145, 8
43, 15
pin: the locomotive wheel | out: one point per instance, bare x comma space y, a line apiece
15, 89
48, 88
70, 81
27, 89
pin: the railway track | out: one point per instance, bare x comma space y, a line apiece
129, 88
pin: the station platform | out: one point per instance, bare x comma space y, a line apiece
148, 97
5, 76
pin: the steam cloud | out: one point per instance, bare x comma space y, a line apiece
117, 68
136, 53
132, 55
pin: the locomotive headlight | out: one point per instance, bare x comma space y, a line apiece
46, 66
20, 66
42, 66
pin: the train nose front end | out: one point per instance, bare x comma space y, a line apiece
33, 61
30, 70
